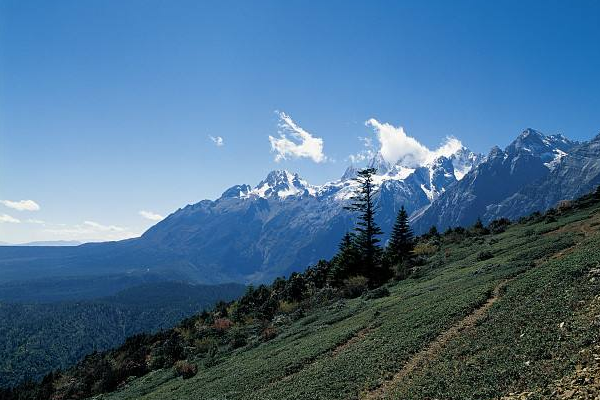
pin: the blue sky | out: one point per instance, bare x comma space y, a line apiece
107, 108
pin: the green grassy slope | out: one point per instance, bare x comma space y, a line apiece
354, 348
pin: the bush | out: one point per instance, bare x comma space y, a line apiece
403, 270
238, 337
222, 324
564, 205
204, 345
419, 261
186, 369
484, 255
499, 225
354, 286
268, 333
376, 293
288, 307
425, 249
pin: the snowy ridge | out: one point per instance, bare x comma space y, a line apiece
430, 179
426, 182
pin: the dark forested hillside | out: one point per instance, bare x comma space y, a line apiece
38, 338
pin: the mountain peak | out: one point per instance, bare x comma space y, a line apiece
281, 183
350, 173
548, 148
279, 176
380, 164
495, 152
236, 191
531, 132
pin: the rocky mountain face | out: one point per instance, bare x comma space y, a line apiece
572, 177
528, 161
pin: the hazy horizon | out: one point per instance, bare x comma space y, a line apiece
115, 114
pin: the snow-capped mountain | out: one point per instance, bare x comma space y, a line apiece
430, 179
550, 149
573, 174
283, 224
531, 157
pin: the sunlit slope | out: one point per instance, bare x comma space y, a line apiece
466, 329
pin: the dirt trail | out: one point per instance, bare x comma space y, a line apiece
586, 227
421, 358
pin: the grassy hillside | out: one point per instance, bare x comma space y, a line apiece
38, 338
509, 314
539, 329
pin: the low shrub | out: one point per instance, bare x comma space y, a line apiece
484, 255
222, 324
425, 249
378, 293
269, 333
186, 369
354, 286
288, 307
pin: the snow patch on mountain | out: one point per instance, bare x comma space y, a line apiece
431, 179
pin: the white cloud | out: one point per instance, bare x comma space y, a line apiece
397, 147
151, 216
366, 154
450, 146
103, 228
7, 218
218, 140
21, 205
307, 146
36, 221
88, 231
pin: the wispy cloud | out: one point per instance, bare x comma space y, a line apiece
217, 140
21, 205
103, 228
88, 230
151, 216
397, 147
367, 153
304, 146
36, 221
8, 219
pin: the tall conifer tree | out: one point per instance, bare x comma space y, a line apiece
401, 242
366, 230
346, 262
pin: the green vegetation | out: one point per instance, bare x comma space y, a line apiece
400, 249
366, 232
39, 338
314, 336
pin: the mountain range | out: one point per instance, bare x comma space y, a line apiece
246, 234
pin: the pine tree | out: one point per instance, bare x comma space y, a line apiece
401, 242
366, 230
346, 261
478, 228
433, 232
